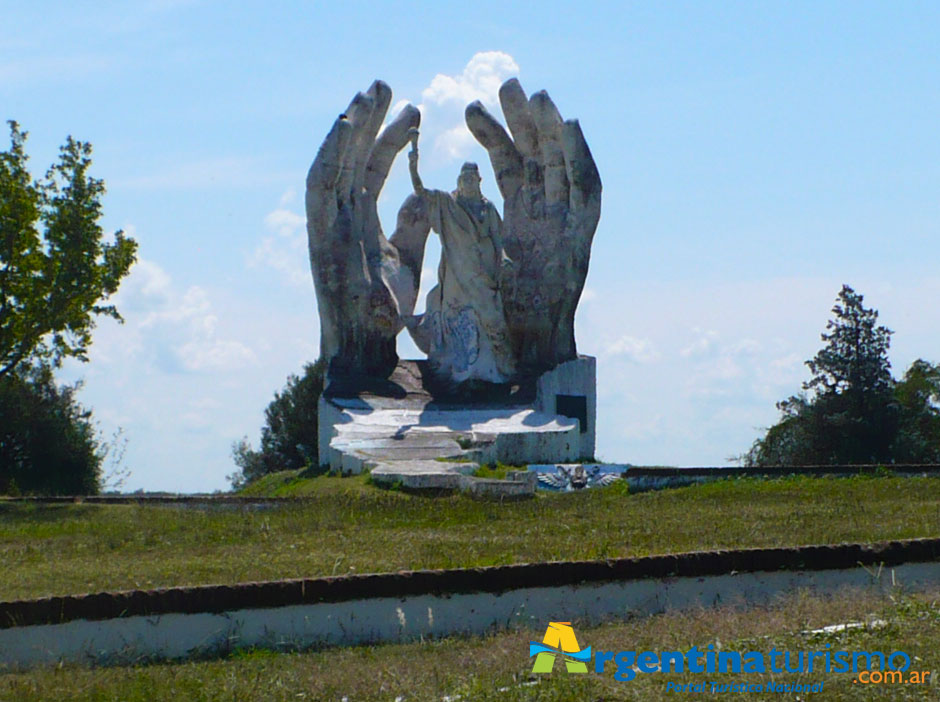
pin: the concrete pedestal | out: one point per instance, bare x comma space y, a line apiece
404, 434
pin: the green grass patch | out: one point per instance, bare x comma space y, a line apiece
348, 526
497, 667
302, 483
495, 472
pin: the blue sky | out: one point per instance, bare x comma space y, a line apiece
755, 156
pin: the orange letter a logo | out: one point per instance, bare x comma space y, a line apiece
559, 640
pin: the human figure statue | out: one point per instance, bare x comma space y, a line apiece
365, 283
551, 206
463, 329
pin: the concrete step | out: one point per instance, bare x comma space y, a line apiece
400, 445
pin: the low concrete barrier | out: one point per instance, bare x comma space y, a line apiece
162, 499
643, 479
336, 611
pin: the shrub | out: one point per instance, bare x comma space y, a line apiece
289, 436
47, 439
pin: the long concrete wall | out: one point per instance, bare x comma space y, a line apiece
179, 622
644, 479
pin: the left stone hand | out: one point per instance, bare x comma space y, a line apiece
355, 268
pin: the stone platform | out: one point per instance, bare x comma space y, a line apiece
405, 431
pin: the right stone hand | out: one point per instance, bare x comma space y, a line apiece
552, 203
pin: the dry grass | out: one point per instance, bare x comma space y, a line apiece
351, 527
476, 669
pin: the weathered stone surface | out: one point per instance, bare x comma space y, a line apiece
501, 319
358, 435
552, 202
420, 441
364, 282
570, 381
463, 329
507, 291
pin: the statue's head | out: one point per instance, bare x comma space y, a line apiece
468, 182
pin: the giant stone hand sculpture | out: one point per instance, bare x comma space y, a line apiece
364, 282
552, 202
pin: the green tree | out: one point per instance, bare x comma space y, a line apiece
56, 273
55, 268
289, 435
47, 440
918, 397
850, 414
854, 362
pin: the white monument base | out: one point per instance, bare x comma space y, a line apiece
420, 443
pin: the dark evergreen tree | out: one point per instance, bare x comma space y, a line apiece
847, 413
47, 440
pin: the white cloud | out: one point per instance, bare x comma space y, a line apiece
480, 80
284, 248
215, 355
287, 197
726, 354
177, 329
146, 282
737, 369
395, 109
702, 345
444, 100
785, 367
746, 347
183, 376
284, 222
455, 143
639, 350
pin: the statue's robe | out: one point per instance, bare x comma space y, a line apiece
463, 329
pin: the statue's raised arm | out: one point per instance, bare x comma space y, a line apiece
552, 203
364, 283
413, 162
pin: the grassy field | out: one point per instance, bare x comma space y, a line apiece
497, 668
348, 526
